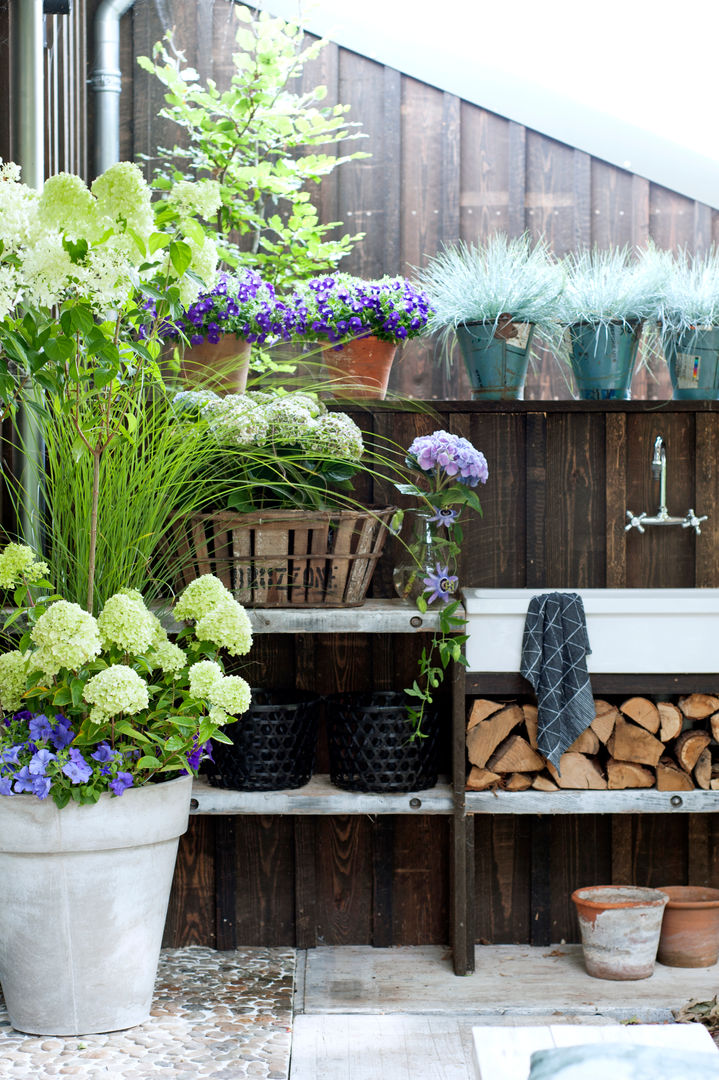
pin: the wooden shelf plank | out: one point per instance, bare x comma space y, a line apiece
372, 617
592, 802
319, 797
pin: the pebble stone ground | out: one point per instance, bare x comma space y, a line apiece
219, 1015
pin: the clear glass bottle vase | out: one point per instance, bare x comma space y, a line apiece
426, 556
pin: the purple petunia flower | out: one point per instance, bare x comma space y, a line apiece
24, 780
40, 761
62, 734
104, 752
40, 728
121, 783
6, 785
442, 583
77, 769
11, 755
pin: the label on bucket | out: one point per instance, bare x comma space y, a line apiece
687, 370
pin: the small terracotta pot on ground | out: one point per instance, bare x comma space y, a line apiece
690, 928
620, 926
222, 367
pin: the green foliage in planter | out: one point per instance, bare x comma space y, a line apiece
610, 285
259, 140
690, 295
505, 275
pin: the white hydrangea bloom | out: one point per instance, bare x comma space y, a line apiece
126, 623
13, 677
123, 198
117, 689
168, 657
289, 420
10, 290
204, 676
17, 208
48, 271
108, 275
218, 716
18, 562
335, 435
199, 597
66, 205
237, 420
190, 198
232, 695
65, 636
227, 625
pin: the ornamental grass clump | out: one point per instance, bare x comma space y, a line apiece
338, 308
611, 285
690, 293
504, 278
275, 450
92, 705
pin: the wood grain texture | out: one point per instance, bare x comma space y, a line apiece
575, 483
191, 912
706, 456
264, 897
615, 500
344, 881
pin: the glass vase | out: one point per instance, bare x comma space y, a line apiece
427, 563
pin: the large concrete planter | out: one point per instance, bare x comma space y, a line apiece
83, 901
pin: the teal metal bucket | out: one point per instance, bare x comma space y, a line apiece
496, 367
693, 360
603, 358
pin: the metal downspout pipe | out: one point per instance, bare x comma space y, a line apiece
106, 82
29, 153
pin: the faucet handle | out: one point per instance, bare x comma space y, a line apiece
691, 521
635, 522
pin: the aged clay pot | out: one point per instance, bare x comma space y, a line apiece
690, 928
361, 368
222, 367
620, 926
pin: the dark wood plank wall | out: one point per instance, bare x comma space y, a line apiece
561, 478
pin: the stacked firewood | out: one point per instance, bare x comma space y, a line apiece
638, 744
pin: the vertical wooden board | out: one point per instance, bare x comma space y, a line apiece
550, 191
517, 216
641, 221
582, 185
615, 499
493, 550
623, 848
420, 876
671, 218
663, 556
343, 663
660, 852
701, 842
536, 499
612, 209
149, 131
702, 227
580, 855
540, 880
226, 881
305, 837
191, 913
448, 209
344, 881
324, 71
393, 194
361, 184
501, 908
575, 543
707, 498
383, 830
265, 899
271, 662
423, 111
484, 173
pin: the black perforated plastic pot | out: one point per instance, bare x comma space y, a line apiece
371, 748
274, 744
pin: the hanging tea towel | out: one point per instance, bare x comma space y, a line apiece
554, 651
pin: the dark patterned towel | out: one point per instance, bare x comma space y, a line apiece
554, 651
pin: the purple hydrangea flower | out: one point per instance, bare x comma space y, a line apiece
121, 783
449, 454
442, 584
77, 769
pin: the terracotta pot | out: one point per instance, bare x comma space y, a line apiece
360, 369
620, 927
690, 928
220, 367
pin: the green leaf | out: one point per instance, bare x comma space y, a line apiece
147, 762
180, 256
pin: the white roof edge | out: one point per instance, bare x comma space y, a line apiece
515, 97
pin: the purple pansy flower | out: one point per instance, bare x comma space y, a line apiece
441, 582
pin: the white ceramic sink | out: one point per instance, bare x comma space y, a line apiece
638, 631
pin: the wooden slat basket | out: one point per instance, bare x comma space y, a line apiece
286, 558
